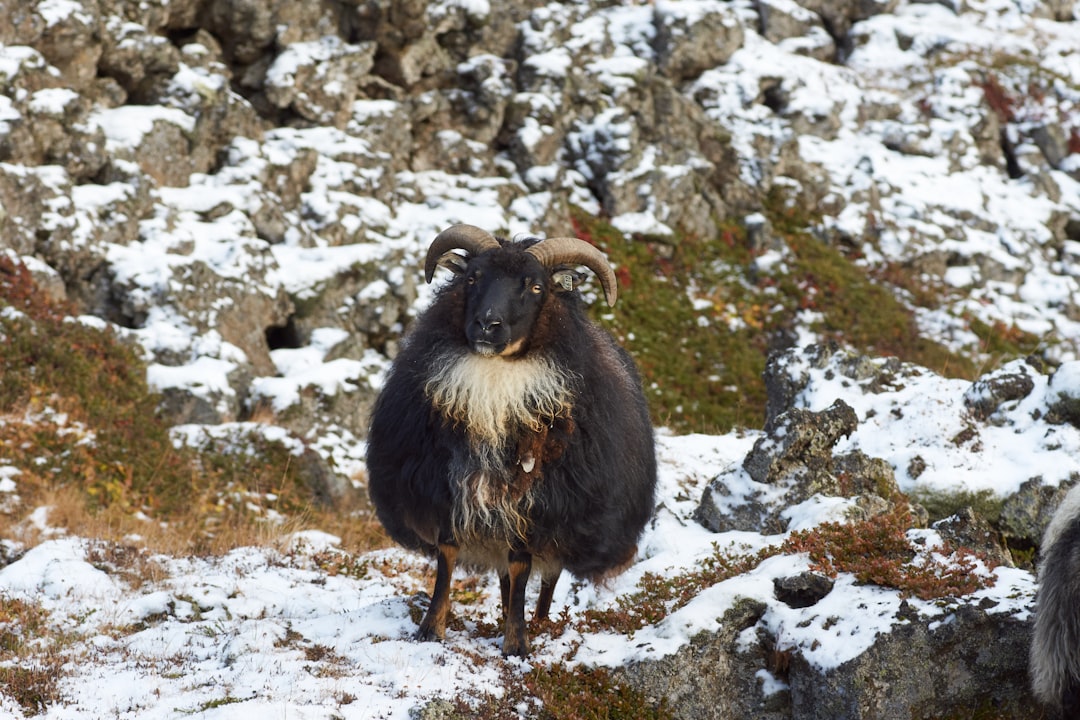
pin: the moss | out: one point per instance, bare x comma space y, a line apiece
700, 319
551, 692
940, 504
1001, 342
30, 655
684, 316
860, 312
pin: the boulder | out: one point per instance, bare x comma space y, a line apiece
689, 42
924, 668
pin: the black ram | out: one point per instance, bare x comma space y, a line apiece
512, 432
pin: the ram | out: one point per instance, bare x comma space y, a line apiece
1055, 643
512, 432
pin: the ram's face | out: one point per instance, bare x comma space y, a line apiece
503, 296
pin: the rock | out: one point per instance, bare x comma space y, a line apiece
482, 94
859, 474
715, 676
202, 402
800, 445
787, 23
317, 80
838, 17
1025, 515
1008, 384
689, 42
137, 59
966, 529
923, 668
437, 709
788, 372
802, 590
791, 464
721, 510
408, 49
328, 487
69, 36
786, 375
246, 28
1063, 394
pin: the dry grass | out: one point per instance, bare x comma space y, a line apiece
82, 430
31, 655
192, 533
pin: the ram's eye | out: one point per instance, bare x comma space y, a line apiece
537, 289
471, 280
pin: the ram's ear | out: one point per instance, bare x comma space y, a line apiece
454, 263
565, 279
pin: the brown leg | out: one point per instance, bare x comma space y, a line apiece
504, 588
433, 626
515, 639
547, 588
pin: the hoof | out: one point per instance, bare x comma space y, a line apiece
518, 647
427, 632
427, 635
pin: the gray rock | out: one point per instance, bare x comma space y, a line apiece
719, 511
318, 80
802, 590
1063, 396
714, 677
924, 668
1025, 514
689, 43
1008, 384
137, 59
859, 474
800, 444
966, 529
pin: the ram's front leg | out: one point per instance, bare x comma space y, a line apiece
433, 626
515, 638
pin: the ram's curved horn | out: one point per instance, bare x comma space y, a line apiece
572, 251
470, 238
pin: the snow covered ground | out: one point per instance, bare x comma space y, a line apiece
271, 633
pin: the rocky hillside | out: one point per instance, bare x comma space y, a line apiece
227, 181
791, 191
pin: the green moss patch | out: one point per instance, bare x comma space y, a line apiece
701, 319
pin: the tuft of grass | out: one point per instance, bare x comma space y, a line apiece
589, 694
555, 692
1001, 342
31, 655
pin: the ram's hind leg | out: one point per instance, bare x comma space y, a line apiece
515, 637
433, 626
547, 589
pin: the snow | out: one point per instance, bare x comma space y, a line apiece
270, 631
125, 126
